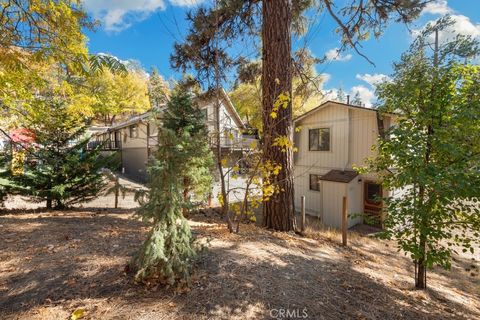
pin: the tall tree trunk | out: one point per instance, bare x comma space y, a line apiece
278, 211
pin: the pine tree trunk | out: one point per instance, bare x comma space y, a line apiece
278, 211
49, 203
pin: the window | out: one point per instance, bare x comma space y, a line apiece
315, 182
205, 113
134, 131
319, 139
373, 191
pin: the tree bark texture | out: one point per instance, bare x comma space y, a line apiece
278, 211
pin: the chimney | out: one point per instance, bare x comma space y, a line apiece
348, 99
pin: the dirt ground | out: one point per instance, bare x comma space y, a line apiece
53, 263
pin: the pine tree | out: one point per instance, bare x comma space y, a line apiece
157, 89
341, 95
179, 175
357, 100
57, 169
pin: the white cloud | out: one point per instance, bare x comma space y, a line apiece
185, 3
437, 7
461, 25
120, 14
330, 94
366, 95
373, 79
335, 55
325, 77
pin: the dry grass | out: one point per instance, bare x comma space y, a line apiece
53, 263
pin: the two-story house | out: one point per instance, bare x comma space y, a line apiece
332, 140
135, 139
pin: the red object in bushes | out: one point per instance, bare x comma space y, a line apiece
22, 135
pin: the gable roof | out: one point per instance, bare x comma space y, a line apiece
344, 176
324, 104
138, 118
210, 95
233, 110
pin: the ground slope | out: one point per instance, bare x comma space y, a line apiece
52, 263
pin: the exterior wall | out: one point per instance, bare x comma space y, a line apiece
227, 123
332, 196
353, 132
355, 201
138, 142
335, 118
313, 199
134, 162
362, 136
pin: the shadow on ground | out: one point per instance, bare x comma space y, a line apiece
64, 261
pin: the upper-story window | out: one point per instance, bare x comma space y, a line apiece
205, 113
319, 139
134, 131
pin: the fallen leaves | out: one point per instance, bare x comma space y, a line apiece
77, 314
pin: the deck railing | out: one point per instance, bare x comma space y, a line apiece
105, 145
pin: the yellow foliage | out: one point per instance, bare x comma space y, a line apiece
77, 314
283, 142
18, 162
118, 93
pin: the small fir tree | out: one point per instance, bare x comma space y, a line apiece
57, 168
179, 174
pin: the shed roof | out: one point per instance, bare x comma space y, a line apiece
344, 176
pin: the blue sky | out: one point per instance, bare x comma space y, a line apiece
145, 30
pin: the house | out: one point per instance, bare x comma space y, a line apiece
135, 139
334, 138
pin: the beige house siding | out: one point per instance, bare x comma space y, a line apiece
228, 123
329, 117
134, 142
353, 132
363, 135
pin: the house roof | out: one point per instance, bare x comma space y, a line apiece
233, 110
324, 104
344, 176
132, 120
229, 105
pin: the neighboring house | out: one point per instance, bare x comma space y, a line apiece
135, 139
333, 139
